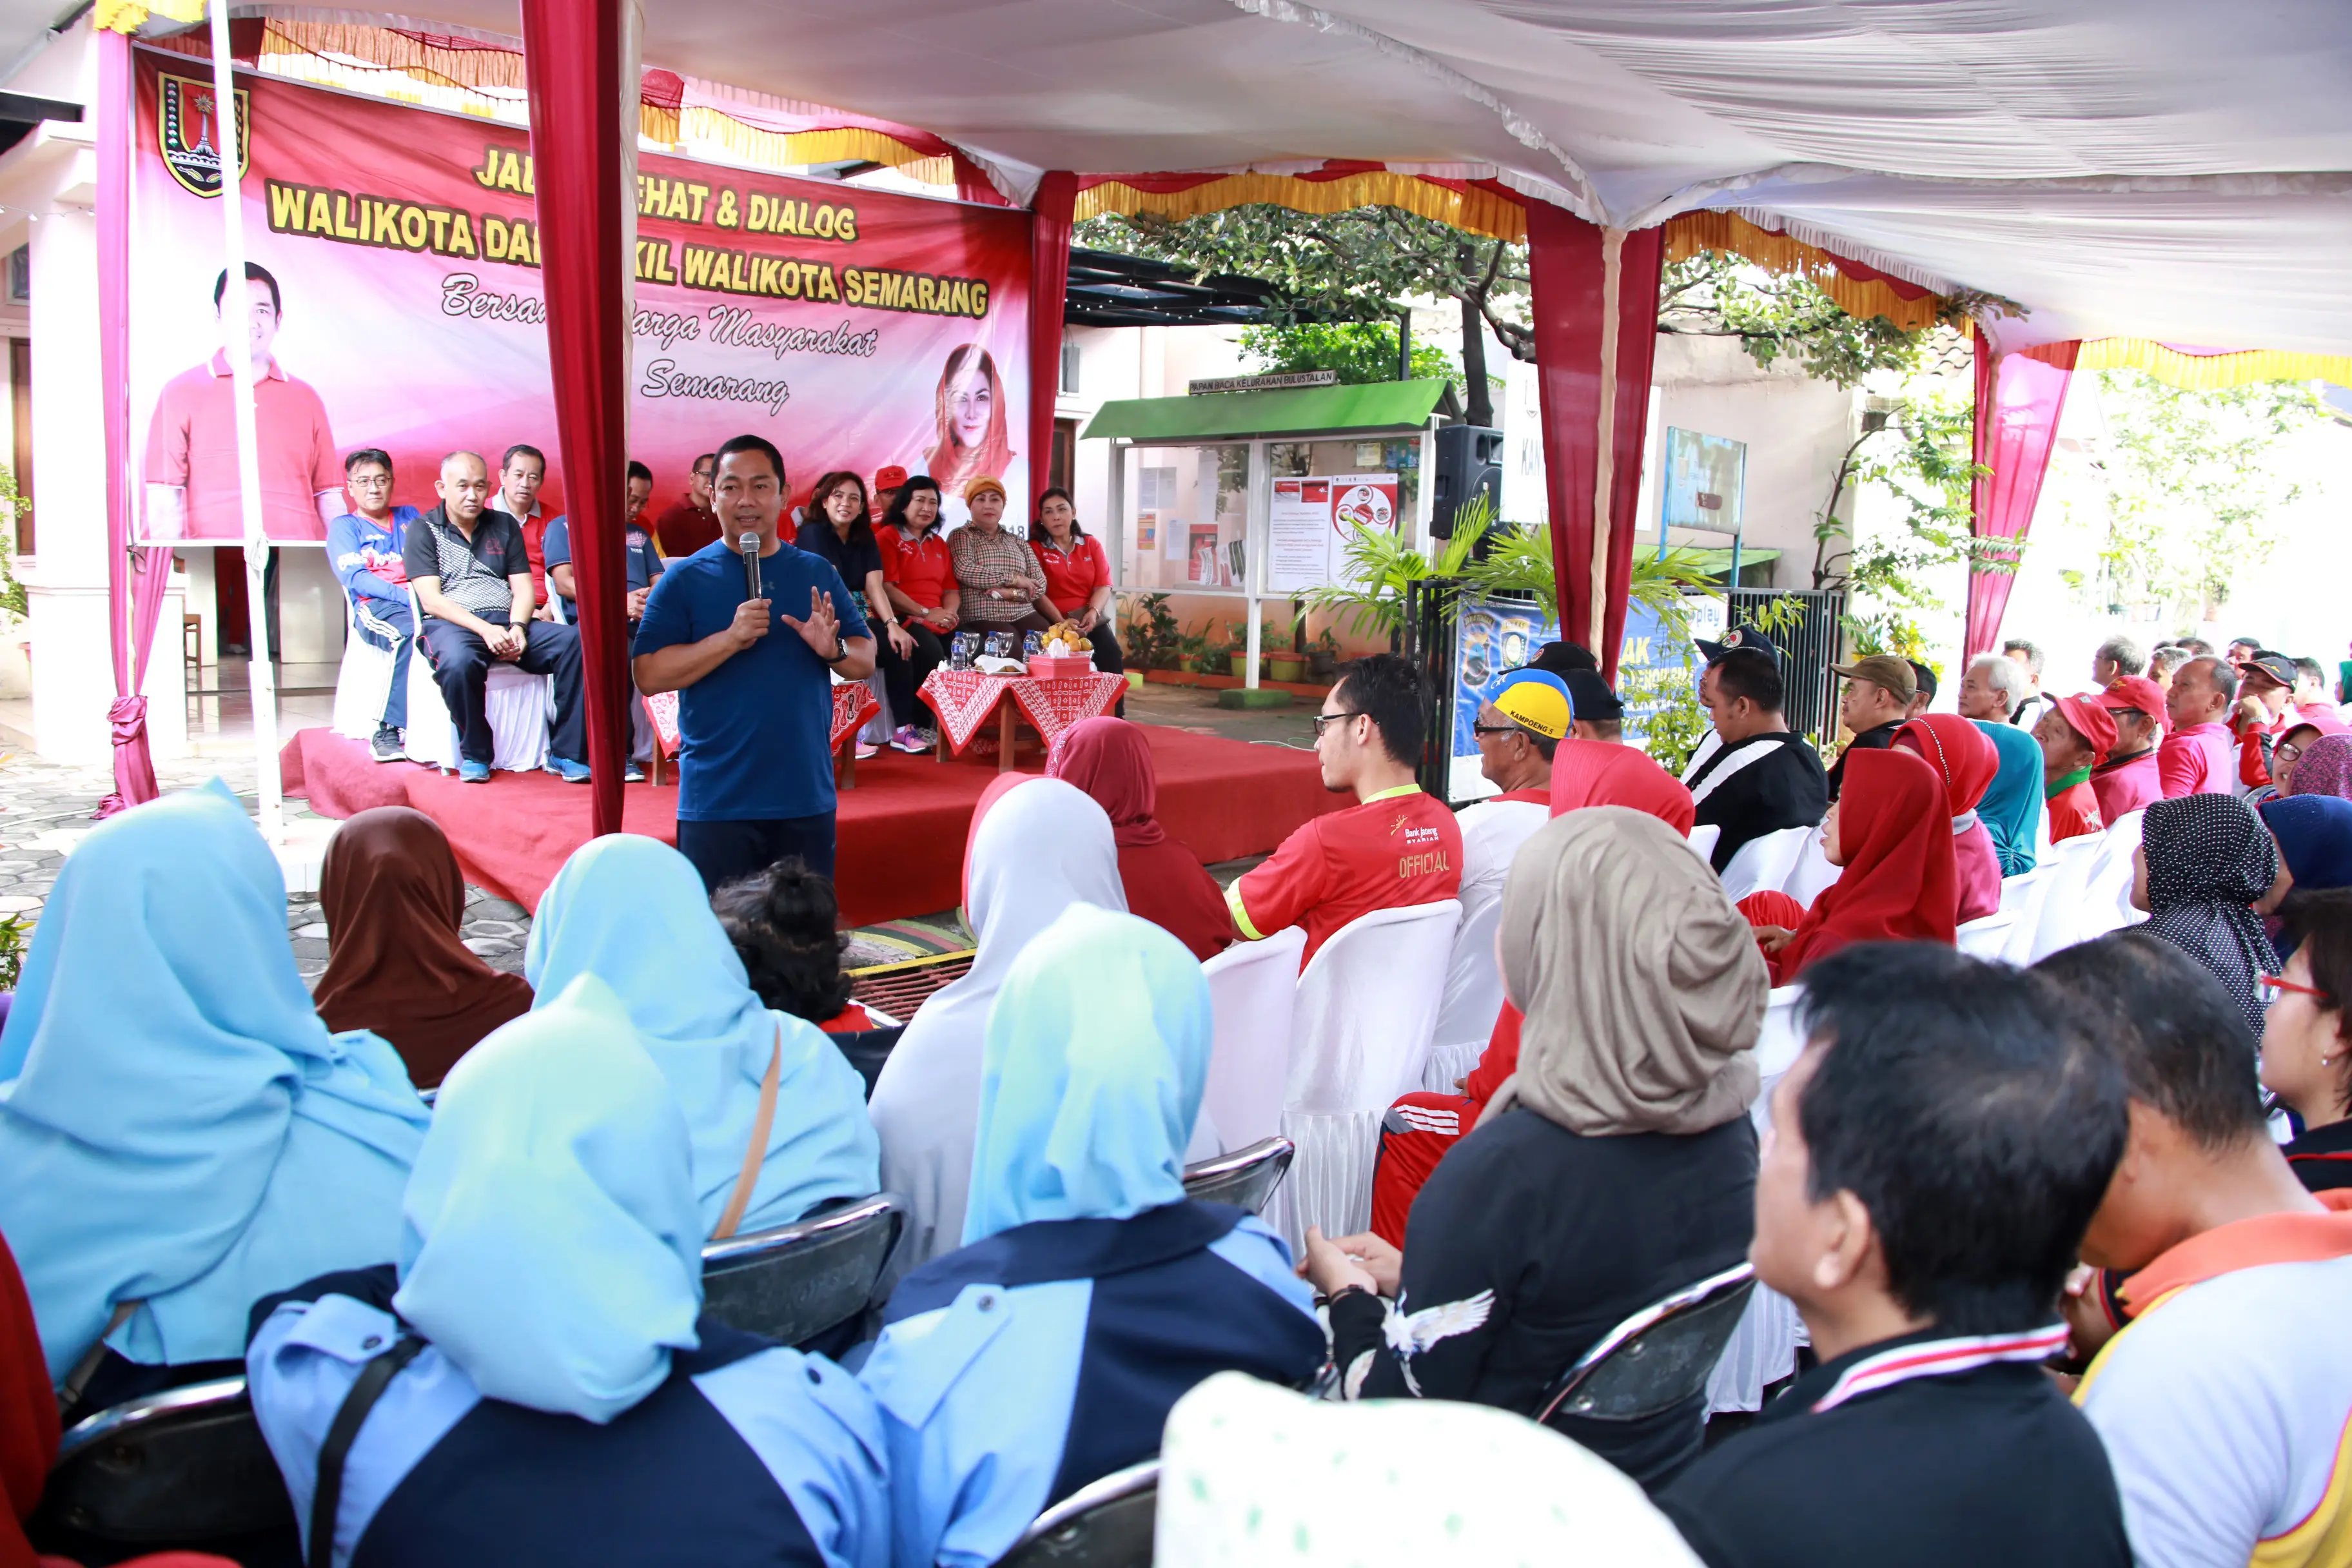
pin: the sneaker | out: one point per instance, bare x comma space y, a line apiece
632, 774
567, 770
387, 747
865, 751
472, 771
910, 740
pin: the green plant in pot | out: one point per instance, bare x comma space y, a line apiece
1323, 656
1237, 649
1284, 658
1191, 652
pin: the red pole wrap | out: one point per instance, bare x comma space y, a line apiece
574, 53
1049, 280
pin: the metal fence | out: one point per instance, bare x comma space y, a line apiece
1808, 646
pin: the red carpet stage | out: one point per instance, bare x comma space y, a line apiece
901, 830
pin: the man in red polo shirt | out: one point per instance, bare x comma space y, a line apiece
2129, 779
688, 523
1395, 847
2200, 756
191, 472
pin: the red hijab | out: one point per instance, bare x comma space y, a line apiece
1110, 759
394, 902
1899, 883
28, 1415
1603, 773
1967, 759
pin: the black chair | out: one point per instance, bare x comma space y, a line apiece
1246, 1178
1104, 1524
183, 1468
1657, 1358
795, 1281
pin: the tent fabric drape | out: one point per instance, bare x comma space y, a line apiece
135, 581
582, 80
1569, 267
2018, 398
1049, 280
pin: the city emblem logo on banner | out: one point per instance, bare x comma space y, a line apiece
188, 130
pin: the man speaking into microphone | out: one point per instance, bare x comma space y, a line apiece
755, 705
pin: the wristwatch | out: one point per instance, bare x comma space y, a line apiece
840, 650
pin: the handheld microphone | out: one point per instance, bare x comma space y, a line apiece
749, 543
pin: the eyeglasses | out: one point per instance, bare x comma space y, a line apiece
1493, 729
1322, 720
2274, 988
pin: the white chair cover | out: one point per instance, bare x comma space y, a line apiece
1367, 1006
2061, 914
1764, 861
2106, 893
1704, 838
520, 707
1763, 1348
362, 683
1986, 936
884, 724
1812, 875
2021, 899
1254, 994
1474, 996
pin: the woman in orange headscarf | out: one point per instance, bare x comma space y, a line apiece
1967, 761
1889, 832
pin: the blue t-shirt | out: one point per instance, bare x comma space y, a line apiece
759, 729
637, 553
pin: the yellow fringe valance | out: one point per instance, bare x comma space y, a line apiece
2205, 373
1479, 212
1730, 234
775, 149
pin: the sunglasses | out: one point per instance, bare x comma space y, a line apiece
2274, 988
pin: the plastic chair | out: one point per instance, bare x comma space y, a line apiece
1106, 1523
1986, 936
362, 682
1657, 1358
794, 1282
2108, 890
2059, 920
1253, 992
1246, 1178
1367, 1006
1778, 1046
2021, 899
1473, 998
1764, 861
1704, 838
1812, 875
521, 706
186, 1468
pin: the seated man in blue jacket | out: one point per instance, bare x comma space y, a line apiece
364, 546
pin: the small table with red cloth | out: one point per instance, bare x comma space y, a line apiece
965, 700
854, 702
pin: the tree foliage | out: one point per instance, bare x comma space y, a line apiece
1359, 351
1920, 454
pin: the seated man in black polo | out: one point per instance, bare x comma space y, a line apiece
1934, 1156
473, 588
1757, 777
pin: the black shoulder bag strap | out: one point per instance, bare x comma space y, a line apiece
327, 1501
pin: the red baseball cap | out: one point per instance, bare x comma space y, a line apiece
2136, 692
2089, 718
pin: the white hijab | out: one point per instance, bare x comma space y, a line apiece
1043, 847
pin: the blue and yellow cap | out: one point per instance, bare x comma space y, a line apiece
1536, 701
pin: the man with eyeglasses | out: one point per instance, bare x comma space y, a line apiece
1393, 848
689, 524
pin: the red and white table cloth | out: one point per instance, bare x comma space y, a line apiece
966, 700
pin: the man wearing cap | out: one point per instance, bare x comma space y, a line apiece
1876, 702
1599, 715
2129, 778
1737, 636
2076, 734
1759, 778
2263, 712
1560, 657
2198, 757
1518, 731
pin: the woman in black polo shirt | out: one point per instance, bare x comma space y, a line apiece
837, 525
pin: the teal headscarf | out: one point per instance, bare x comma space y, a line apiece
2011, 809
551, 1244
177, 1127
1097, 1057
632, 912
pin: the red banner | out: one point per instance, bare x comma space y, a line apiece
855, 328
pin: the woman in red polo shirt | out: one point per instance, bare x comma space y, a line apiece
1078, 577
920, 576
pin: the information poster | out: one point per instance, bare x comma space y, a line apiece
1653, 667
1491, 638
1311, 519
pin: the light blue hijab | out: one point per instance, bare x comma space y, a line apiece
177, 1127
1097, 1055
632, 912
551, 1244
2011, 809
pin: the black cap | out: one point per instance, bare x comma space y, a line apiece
1924, 678
1736, 638
1591, 694
2277, 666
1560, 657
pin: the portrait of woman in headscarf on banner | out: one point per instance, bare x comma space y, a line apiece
972, 435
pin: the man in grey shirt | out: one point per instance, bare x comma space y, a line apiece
472, 576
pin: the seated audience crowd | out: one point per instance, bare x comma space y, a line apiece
2069, 1244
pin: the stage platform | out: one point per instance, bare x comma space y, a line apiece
901, 830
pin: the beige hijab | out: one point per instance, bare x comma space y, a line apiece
1641, 983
